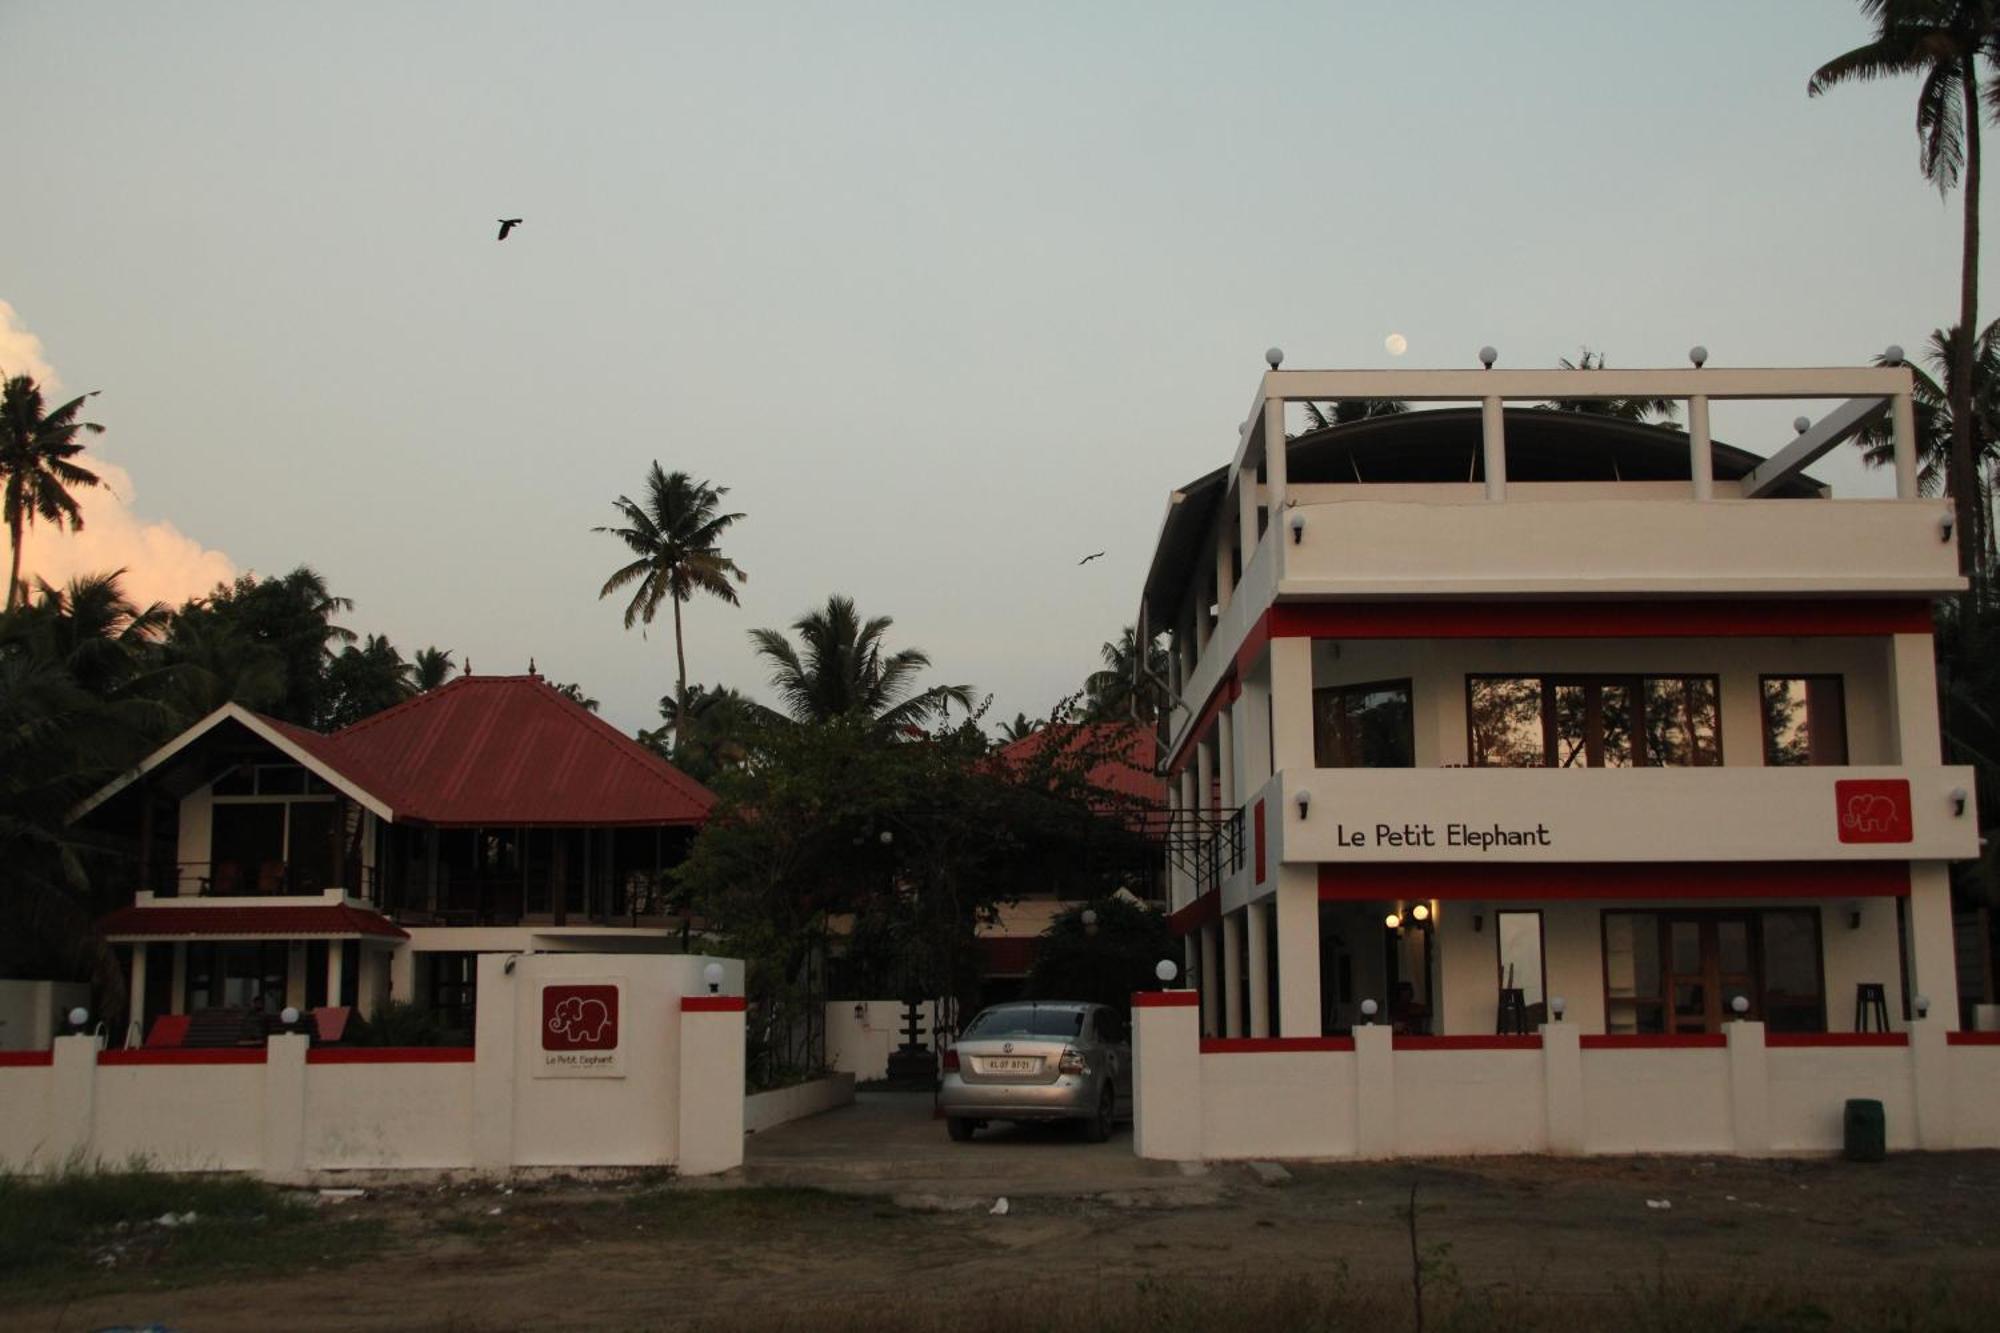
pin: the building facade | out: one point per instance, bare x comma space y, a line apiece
272, 866
1499, 715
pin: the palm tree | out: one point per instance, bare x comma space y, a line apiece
1345, 411
846, 673
1019, 729
212, 662
1114, 693
674, 535
711, 734
430, 668
36, 449
1936, 421
1623, 409
363, 681
1942, 42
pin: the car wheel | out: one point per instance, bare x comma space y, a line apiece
1098, 1128
959, 1128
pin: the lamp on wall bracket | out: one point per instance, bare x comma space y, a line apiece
1394, 921
1304, 800
712, 974
1298, 527
1923, 1006
1421, 912
1959, 796
1944, 528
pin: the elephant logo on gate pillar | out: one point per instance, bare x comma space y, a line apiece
1873, 810
579, 1018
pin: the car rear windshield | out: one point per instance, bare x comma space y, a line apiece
1024, 1020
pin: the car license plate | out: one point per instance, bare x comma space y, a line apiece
1012, 1064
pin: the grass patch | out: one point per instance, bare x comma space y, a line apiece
105, 1229
756, 1207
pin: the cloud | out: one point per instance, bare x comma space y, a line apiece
161, 563
21, 351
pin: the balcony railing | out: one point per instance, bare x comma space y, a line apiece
257, 879
1206, 846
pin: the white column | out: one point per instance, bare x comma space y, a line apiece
1493, 446
1749, 1089
1701, 461
1374, 1091
1297, 908
1903, 416
495, 1084
1930, 1071
1204, 774
335, 954
1246, 516
1225, 564
135, 1033
177, 1002
1253, 735
1275, 482
284, 1148
1291, 702
1562, 1084
1232, 974
1913, 668
1933, 952
711, 1085
1211, 982
1257, 921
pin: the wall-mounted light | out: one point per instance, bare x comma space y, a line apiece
861, 1011
1368, 1010
1478, 922
712, 974
1854, 916
508, 966
1421, 912
1298, 527
1923, 1003
1557, 1007
1944, 528
1958, 799
1304, 800
1393, 921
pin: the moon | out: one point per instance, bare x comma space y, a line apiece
1396, 344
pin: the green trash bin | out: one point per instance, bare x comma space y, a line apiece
1866, 1136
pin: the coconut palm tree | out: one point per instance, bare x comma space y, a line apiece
674, 534
36, 452
1943, 43
430, 668
846, 673
1113, 693
1934, 397
1019, 729
1345, 411
711, 734
1623, 409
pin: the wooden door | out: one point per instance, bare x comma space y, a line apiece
1711, 960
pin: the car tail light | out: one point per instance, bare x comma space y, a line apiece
951, 1059
1071, 1062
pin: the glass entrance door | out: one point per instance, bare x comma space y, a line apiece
1711, 960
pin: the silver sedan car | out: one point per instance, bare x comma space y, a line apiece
1039, 1060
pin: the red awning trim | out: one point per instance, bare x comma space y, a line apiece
318, 921
1197, 913
26, 1059
1972, 1038
1612, 881
1627, 619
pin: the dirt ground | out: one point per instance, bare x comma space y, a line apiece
760, 1252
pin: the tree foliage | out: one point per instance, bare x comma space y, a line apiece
1105, 961
38, 467
842, 670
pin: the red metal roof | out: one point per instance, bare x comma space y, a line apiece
320, 920
1127, 771
495, 750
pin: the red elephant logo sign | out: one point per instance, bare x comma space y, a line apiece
1873, 810
579, 1018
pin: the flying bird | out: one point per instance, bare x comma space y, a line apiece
507, 225
1087, 559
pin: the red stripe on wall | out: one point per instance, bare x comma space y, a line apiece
1510, 1042
1629, 619
389, 1055
26, 1059
1164, 999
1652, 1041
1972, 1038
165, 1055
1259, 821
1272, 1045
1836, 1039
1197, 913
713, 1004
1612, 881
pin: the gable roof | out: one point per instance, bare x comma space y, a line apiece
481, 750
1129, 751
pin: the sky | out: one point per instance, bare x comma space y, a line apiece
948, 296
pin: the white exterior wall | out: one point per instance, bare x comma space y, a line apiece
32, 1012
383, 1116
179, 1117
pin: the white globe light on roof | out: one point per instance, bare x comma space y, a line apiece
289, 1015
79, 1016
1801, 424
1166, 970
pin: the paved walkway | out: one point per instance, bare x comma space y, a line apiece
888, 1143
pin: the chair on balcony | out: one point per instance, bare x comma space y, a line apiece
168, 1030
1513, 1011
1871, 1005
271, 878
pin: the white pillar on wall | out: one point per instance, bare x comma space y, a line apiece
1232, 974
1291, 702
1246, 517
1701, 456
1257, 924
1225, 565
335, 955
1225, 760
1275, 481
135, 1034
1903, 415
1297, 919
1933, 952
1493, 446
1204, 774
1913, 668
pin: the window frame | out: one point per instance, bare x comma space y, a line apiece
1407, 684
1635, 681
1764, 716
1541, 946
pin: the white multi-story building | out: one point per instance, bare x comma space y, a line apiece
1501, 714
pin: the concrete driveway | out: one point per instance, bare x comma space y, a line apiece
888, 1143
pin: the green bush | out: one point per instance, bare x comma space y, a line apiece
1105, 966
399, 1023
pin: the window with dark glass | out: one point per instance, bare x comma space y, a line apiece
1594, 721
1805, 720
1794, 989
1633, 1001
1364, 726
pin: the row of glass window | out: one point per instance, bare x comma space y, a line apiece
1584, 721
